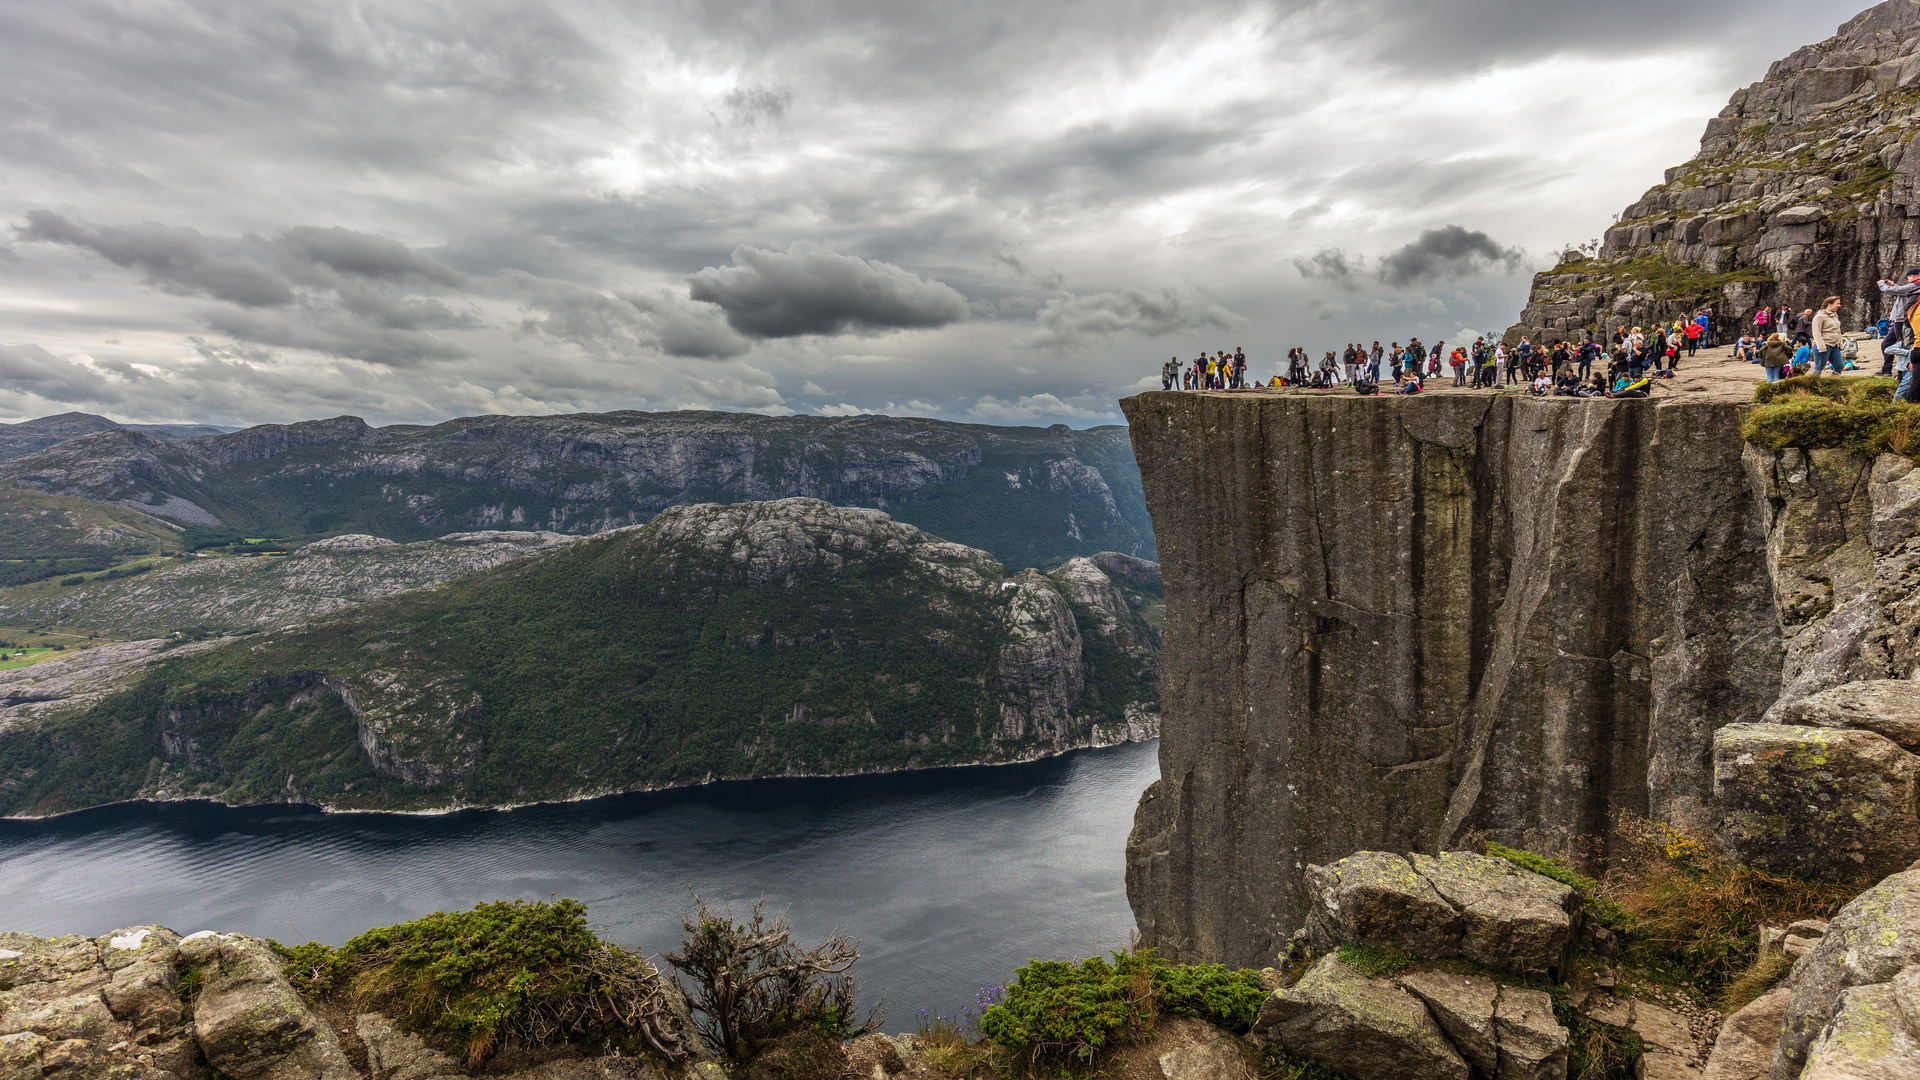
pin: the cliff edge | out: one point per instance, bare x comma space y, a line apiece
1394, 623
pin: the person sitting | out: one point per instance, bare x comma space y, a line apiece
1541, 385
1409, 382
1569, 384
1625, 387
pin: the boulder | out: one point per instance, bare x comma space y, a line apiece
1906, 994
1873, 939
1889, 707
1533, 1045
1369, 1028
1744, 1048
874, 1057
1817, 802
393, 1054
1377, 898
1464, 1006
1868, 1039
146, 995
1217, 1056
248, 1020
1515, 920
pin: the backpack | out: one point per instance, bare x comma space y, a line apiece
1849, 349
1760, 317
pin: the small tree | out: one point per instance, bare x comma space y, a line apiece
752, 984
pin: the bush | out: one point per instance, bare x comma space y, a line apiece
469, 981
1070, 1012
752, 986
1222, 996
74, 580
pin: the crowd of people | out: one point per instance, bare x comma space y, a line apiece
1622, 363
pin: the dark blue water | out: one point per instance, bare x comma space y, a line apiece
950, 878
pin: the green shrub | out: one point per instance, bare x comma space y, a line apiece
74, 580
1073, 1011
1222, 996
506, 970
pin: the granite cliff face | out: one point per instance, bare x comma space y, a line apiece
1394, 623
1804, 187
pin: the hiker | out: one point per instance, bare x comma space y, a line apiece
1776, 354
1825, 336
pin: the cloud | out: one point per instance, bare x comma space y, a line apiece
809, 289
30, 369
175, 260
750, 104
333, 291
626, 325
1331, 265
1326, 309
1069, 321
1031, 408
1450, 251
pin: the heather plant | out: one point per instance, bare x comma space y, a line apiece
510, 970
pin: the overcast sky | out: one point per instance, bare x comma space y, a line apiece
1009, 213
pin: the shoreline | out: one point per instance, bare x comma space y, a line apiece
446, 811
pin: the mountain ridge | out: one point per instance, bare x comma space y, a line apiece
1033, 496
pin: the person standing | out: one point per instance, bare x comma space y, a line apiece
1776, 355
1827, 337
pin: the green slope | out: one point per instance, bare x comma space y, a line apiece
716, 642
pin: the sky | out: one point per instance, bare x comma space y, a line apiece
991, 212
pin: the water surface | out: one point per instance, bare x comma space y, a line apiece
950, 878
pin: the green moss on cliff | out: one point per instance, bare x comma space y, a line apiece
1855, 413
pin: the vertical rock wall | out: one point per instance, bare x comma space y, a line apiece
1393, 622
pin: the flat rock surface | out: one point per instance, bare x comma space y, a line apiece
1889, 707
1744, 1049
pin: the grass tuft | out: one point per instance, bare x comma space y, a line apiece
1376, 960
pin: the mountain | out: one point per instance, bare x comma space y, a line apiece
754, 639
236, 594
1031, 496
1803, 188
31, 435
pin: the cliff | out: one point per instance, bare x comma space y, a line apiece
1399, 623
1803, 187
1031, 496
753, 639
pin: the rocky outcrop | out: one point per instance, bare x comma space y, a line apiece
1433, 1019
1392, 623
1886, 707
1843, 536
1843, 1003
1816, 802
1358, 1025
118, 1008
1803, 187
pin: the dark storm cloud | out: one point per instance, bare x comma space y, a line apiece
1450, 251
808, 289
357, 254
1069, 321
1331, 265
